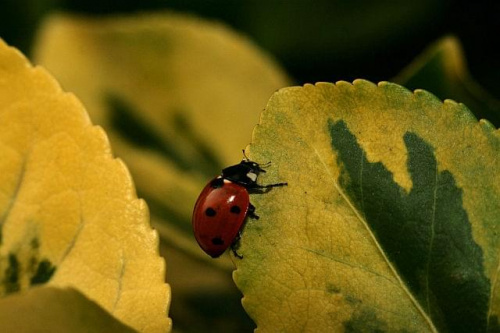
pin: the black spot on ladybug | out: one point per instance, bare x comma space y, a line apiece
210, 212
217, 241
235, 210
217, 183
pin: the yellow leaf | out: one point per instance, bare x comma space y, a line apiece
55, 310
389, 220
69, 215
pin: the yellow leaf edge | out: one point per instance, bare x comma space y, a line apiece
17, 59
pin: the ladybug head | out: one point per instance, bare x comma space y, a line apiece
254, 166
245, 173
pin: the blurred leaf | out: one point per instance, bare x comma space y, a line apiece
389, 220
328, 40
55, 310
441, 69
69, 215
178, 97
205, 298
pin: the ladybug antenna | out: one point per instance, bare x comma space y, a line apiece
261, 166
245, 155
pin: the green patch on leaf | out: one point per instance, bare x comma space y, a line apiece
426, 233
365, 321
128, 124
24, 268
44, 272
11, 275
132, 128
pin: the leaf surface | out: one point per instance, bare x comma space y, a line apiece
69, 215
54, 310
389, 219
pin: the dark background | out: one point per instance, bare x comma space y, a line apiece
314, 40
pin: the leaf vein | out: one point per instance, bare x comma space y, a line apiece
431, 243
14, 196
346, 263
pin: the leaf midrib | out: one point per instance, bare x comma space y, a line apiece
431, 242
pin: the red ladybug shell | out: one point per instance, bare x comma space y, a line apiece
219, 214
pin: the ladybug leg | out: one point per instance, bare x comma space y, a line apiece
251, 212
265, 188
235, 245
272, 185
236, 242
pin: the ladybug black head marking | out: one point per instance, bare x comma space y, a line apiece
217, 182
246, 173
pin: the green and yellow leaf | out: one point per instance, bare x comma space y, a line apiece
69, 215
390, 219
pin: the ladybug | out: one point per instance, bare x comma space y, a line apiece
224, 204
